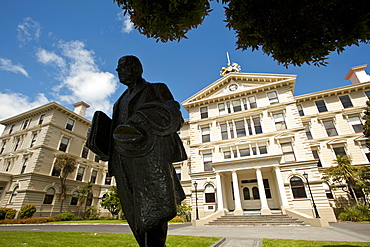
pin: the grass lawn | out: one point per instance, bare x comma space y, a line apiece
81, 239
304, 243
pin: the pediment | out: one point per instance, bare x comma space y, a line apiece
235, 84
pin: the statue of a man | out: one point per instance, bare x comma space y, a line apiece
143, 144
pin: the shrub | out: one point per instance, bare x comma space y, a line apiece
107, 218
184, 211
78, 218
10, 214
91, 213
355, 213
3, 213
36, 220
65, 216
177, 219
27, 211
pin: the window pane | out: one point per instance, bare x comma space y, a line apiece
346, 101
246, 194
204, 112
252, 102
297, 187
224, 133
236, 105
227, 155
300, 110
257, 125
240, 129
244, 152
263, 150
339, 151
255, 192
210, 197
308, 131
221, 108
321, 107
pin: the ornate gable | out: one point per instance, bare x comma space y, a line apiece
237, 84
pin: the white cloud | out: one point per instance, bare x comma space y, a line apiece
82, 79
50, 58
28, 30
7, 65
127, 25
12, 104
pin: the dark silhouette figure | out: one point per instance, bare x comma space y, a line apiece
141, 143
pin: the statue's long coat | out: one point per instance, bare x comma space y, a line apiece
147, 183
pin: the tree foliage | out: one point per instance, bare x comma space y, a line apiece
112, 202
366, 117
292, 32
66, 164
349, 177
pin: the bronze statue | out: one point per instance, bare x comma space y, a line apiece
140, 144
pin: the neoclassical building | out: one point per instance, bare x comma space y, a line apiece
251, 143
29, 145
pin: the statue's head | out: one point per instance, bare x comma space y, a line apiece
129, 70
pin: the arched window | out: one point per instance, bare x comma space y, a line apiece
297, 186
74, 199
209, 193
89, 199
246, 193
256, 193
13, 195
49, 196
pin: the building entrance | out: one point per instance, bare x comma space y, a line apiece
250, 195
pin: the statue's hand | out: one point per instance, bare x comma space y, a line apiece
125, 134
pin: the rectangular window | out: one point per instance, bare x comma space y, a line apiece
367, 93
8, 166
80, 173
232, 135
221, 109
254, 151
3, 147
279, 121
244, 101
257, 125
237, 105
300, 110
273, 98
227, 155
263, 149
366, 152
56, 171
339, 151
25, 163
25, 124
224, 133
33, 141
11, 129
17, 141
315, 154
204, 112
85, 152
308, 132
70, 124
206, 136
321, 107
96, 158
94, 174
346, 101
178, 172
63, 144
288, 152
244, 152
330, 128
207, 160
228, 107
235, 153
252, 102
108, 179
41, 119
249, 126
356, 124
267, 188
240, 129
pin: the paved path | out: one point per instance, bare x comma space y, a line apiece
246, 236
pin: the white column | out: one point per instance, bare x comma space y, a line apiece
238, 206
279, 179
220, 200
264, 206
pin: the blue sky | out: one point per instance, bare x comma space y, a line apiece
67, 51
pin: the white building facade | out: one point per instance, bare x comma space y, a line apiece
250, 141
29, 145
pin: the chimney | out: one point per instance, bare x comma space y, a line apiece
358, 74
80, 108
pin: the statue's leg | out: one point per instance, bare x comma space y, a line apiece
156, 237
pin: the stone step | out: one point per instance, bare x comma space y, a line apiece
256, 220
